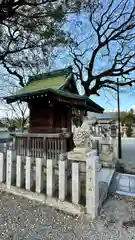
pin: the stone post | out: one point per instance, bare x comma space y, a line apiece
92, 185
5, 147
62, 177
39, 175
113, 129
115, 148
50, 184
20, 177
2, 167
10, 168
97, 130
75, 182
29, 177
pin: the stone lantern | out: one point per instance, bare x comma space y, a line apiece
113, 129
124, 131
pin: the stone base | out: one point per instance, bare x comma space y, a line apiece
78, 154
73, 209
106, 158
82, 150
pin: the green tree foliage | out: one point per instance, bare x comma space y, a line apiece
16, 124
16, 115
129, 131
128, 119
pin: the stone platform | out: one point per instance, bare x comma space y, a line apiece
123, 184
105, 176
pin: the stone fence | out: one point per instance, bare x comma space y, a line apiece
57, 184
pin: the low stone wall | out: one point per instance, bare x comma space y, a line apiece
55, 184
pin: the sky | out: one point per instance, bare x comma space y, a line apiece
106, 99
109, 102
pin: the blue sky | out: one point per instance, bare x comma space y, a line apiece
108, 100
127, 101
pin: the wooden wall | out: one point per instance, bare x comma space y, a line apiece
49, 119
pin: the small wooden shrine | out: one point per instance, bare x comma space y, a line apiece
51, 98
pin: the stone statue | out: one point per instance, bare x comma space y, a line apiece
83, 135
105, 133
107, 155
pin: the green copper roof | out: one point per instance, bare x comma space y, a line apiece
60, 83
36, 85
53, 80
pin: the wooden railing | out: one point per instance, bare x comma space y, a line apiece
48, 146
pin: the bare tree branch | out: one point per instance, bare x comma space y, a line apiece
114, 31
14, 73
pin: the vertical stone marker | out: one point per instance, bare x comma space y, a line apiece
62, 177
92, 185
39, 175
20, 177
29, 177
10, 168
2, 167
50, 184
75, 182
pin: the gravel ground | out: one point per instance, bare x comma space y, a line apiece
24, 219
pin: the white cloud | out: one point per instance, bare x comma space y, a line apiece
111, 110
